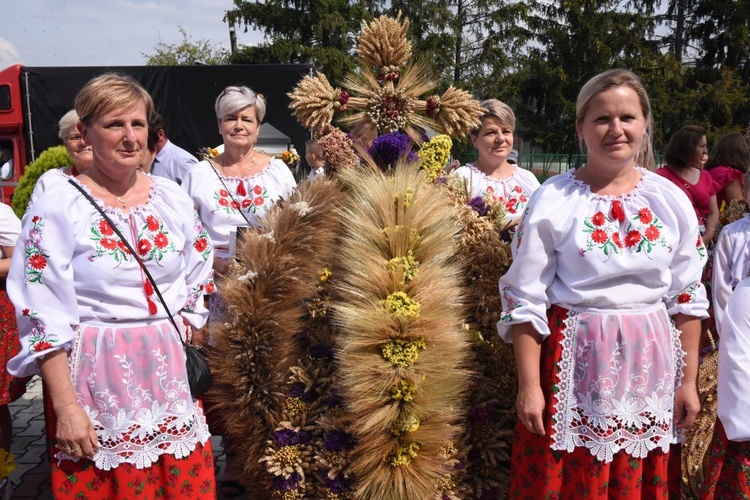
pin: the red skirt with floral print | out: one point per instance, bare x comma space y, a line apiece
539, 472
169, 478
11, 388
727, 473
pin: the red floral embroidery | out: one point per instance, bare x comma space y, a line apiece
42, 346
652, 233
223, 193
616, 240
258, 190
201, 245
210, 287
598, 219
234, 205
599, 236
258, 201
223, 202
35, 219
108, 243
684, 298
144, 246
152, 223
247, 202
241, 189
645, 215
161, 240
38, 262
105, 228
632, 238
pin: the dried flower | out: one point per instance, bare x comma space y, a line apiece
405, 454
403, 352
403, 391
408, 266
387, 149
324, 274
399, 306
435, 155
207, 153
338, 441
479, 206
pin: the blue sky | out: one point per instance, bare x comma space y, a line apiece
107, 32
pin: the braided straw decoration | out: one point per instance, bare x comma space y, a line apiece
313, 101
384, 42
459, 113
701, 433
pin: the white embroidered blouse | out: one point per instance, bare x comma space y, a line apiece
731, 263
513, 191
734, 364
620, 265
219, 206
79, 289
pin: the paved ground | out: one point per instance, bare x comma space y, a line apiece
31, 479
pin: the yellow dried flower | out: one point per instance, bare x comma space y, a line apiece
399, 306
404, 423
324, 273
405, 454
403, 391
403, 352
435, 155
297, 407
407, 265
288, 456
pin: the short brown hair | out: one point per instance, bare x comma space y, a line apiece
681, 147
108, 92
313, 147
730, 150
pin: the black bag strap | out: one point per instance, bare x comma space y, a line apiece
132, 252
242, 213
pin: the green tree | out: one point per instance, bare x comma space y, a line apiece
316, 32
186, 52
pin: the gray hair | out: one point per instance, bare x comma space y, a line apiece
67, 123
496, 109
235, 98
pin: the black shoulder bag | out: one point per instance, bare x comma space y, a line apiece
198, 371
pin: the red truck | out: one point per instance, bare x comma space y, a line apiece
32, 101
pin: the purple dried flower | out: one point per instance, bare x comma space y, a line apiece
482, 414
441, 180
335, 399
338, 441
289, 437
507, 234
286, 483
339, 484
387, 149
321, 351
479, 206
298, 390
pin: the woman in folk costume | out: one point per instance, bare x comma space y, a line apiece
603, 304
727, 474
492, 175
122, 414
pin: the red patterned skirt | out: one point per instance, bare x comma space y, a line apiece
727, 472
11, 388
539, 472
169, 478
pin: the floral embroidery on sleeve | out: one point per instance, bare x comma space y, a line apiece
39, 339
197, 293
36, 257
688, 296
507, 314
201, 243
701, 247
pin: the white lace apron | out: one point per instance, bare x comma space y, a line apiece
132, 382
618, 373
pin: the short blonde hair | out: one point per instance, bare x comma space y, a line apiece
109, 92
235, 98
67, 123
496, 109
